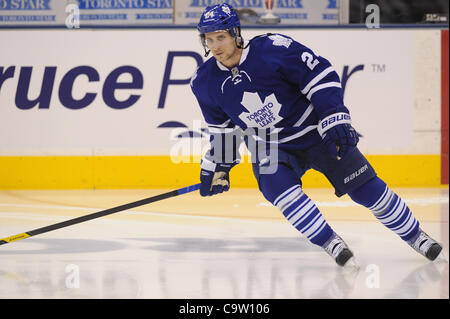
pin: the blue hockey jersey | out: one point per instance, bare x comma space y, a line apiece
279, 85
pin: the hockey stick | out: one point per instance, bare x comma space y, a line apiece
102, 213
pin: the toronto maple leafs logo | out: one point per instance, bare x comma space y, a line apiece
260, 114
279, 40
226, 9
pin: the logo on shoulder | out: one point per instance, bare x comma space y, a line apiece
226, 10
279, 40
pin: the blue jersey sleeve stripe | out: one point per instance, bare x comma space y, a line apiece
297, 135
321, 87
315, 80
304, 116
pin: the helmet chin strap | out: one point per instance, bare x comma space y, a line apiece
239, 42
205, 47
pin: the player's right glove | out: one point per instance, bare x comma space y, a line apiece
214, 177
338, 135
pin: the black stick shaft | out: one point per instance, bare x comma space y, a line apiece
102, 213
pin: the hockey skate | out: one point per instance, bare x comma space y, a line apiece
425, 245
339, 251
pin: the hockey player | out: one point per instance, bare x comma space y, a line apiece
276, 84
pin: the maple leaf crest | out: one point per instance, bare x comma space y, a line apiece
226, 10
280, 40
260, 114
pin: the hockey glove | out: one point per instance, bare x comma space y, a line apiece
214, 177
338, 135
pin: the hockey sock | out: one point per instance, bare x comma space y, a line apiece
284, 191
387, 207
304, 215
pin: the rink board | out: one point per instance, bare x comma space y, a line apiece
109, 108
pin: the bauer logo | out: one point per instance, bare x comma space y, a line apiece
334, 119
355, 174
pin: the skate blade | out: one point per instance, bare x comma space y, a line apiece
441, 258
351, 265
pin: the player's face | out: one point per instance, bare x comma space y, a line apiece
223, 47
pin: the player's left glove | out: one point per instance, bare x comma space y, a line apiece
338, 135
214, 177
